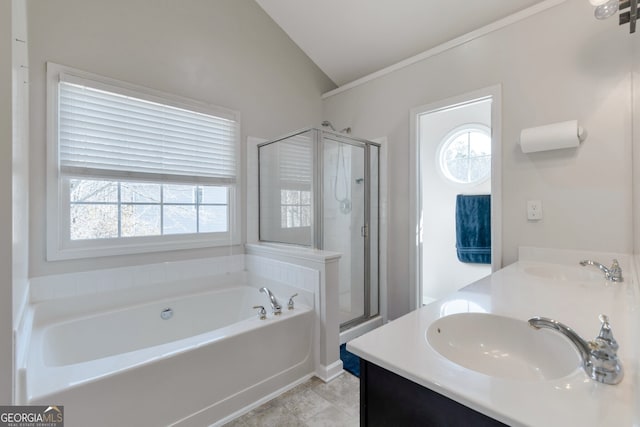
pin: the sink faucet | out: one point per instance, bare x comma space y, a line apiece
277, 308
614, 273
599, 357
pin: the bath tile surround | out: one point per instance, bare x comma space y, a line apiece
129, 285
98, 281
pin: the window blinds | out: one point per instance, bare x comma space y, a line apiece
110, 135
295, 160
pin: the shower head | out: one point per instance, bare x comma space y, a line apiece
328, 124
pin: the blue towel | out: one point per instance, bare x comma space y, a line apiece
473, 228
350, 362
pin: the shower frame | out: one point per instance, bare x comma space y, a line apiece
317, 205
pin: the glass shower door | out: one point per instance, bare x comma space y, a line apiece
344, 222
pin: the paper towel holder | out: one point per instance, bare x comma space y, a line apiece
582, 134
568, 134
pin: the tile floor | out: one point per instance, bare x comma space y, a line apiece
313, 403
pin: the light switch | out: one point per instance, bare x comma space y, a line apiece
534, 210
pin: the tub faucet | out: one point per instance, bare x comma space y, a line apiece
613, 274
599, 357
277, 308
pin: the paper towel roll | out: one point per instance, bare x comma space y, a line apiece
551, 137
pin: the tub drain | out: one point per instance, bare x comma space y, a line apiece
166, 313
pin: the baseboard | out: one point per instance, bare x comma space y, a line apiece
328, 373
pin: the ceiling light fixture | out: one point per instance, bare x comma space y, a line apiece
606, 8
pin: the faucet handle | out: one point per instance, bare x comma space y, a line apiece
616, 272
604, 319
605, 334
604, 363
262, 313
290, 304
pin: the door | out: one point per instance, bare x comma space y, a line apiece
455, 157
344, 222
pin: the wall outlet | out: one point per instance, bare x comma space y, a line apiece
534, 210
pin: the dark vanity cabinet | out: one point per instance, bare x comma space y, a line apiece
387, 399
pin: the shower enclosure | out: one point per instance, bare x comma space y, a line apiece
320, 189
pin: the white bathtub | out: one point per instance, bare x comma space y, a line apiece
129, 366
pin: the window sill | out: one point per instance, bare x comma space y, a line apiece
94, 249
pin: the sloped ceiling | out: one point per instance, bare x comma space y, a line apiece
349, 39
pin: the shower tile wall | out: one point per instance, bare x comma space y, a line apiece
272, 273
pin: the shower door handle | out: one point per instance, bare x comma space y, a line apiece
364, 231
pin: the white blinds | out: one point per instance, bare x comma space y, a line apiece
109, 135
295, 159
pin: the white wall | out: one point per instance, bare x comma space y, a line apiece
558, 65
636, 148
13, 183
636, 173
19, 174
20, 170
225, 52
6, 346
442, 272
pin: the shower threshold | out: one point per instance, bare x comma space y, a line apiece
357, 327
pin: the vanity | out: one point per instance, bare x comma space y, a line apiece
473, 358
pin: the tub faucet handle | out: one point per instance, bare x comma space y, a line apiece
262, 314
290, 304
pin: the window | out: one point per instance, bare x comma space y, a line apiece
111, 209
464, 156
295, 168
133, 170
295, 206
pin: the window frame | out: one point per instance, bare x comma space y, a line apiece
59, 243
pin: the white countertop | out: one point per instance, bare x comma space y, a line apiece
567, 293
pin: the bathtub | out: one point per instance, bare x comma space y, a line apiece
189, 360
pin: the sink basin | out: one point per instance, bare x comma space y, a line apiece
565, 273
502, 347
